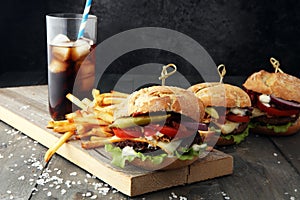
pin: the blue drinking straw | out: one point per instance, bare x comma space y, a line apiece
84, 18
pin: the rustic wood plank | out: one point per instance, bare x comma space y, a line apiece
76, 183
198, 171
260, 172
26, 109
19, 160
289, 146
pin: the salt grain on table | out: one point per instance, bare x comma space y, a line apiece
73, 174
88, 176
173, 195
94, 197
63, 191
24, 107
88, 194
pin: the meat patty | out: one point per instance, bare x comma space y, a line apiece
240, 128
275, 120
144, 147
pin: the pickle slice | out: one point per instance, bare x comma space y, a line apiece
127, 122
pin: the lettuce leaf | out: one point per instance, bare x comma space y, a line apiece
237, 138
279, 128
276, 128
190, 153
119, 158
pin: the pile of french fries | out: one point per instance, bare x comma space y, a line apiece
90, 123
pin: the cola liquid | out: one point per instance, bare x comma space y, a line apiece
71, 69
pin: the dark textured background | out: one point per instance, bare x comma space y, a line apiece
241, 34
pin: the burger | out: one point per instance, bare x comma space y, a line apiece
276, 101
157, 128
227, 112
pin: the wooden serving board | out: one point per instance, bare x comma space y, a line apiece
26, 109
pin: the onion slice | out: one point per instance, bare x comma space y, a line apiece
194, 125
284, 103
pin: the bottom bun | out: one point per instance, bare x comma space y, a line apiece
212, 139
167, 164
266, 131
225, 142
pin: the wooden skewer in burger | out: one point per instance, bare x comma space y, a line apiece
276, 101
227, 111
157, 129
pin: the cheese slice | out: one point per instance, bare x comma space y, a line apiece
227, 127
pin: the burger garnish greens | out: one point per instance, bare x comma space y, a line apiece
227, 112
232, 125
276, 102
158, 124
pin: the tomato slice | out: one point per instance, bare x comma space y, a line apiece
127, 133
182, 132
276, 112
169, 131
237, 118
150, 130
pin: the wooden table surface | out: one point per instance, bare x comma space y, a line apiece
264, 168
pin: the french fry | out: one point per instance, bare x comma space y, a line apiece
109, 109
99, 131
96, 142
52, 124
73, 115
65, 128
87, 102
57, 145
95, 93
76, 101
92, 121
106, 129
119, 94
85, 127
106, 116
112, 100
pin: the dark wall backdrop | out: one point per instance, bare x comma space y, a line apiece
241, 34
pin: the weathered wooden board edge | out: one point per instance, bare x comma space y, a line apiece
216, 165
128, 184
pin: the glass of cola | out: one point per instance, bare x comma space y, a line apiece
71, 61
